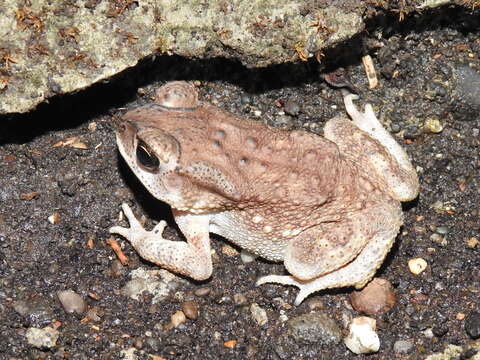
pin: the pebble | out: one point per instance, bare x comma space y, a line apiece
37, 311
417, 265
42, 338
259, 314
229, 250
247, 257
95, 314
203, 291
472, 325
134, 288
439, 239
240, 299
190, 309
282, 120
468, 85
138, 343
472, 242
116, 268
71, 301
177, 319
362, 338
54, 218
291, 108
159, 282
376, 298
433, 126
245, 99
440, 330
315, 327
402, 346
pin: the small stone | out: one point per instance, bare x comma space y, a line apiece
258, 314
134, 288
229, 250
177, 319
440, 330
433, 125
291, 108
247, 257
37, 311
439, 239
315, 327
402, 346
240, 299
190, 309
376, 298
71, 301
42, 338
472, 325
203, 291
138, 343
472, 242
282, 120
362, 338
116, 268
54, 218
245, 99
94, 314
417, 265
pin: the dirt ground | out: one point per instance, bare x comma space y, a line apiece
428, 66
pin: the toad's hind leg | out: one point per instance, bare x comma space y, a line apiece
357, 272
366, 142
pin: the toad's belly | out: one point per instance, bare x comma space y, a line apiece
258, 243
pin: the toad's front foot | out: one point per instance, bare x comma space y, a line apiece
136, 234
191, 259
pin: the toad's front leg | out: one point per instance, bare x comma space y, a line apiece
191, 258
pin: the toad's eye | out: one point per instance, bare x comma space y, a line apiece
146, 157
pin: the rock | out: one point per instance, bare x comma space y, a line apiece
258, 314
177, 319
160, 283
292, 108
402, 346
472, 325
203, 291
417, 265
247, 257
42, 338
37, 311
69, 47
376, 298
433, 125
362, 338
71, 301
315, 327
240, 299
190, 309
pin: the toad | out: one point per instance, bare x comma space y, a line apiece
328, 207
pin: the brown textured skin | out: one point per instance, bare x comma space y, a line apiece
288, 196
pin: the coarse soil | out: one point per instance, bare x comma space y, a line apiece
416, 61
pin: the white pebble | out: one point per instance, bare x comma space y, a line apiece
178, 318
417, 265
42, 338
71, 301
362, 338
247, 256
258, 314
